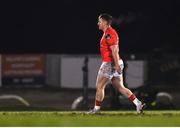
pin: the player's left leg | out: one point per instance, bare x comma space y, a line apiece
118, 83
100, 87
101, 82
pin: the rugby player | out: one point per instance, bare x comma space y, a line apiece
111, 69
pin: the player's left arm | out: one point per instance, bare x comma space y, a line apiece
116, 57
112, 41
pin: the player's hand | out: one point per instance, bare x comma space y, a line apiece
118, 68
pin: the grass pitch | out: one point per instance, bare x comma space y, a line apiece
79, 119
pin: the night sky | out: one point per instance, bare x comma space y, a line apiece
70, 26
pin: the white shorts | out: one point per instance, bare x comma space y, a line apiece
107, 70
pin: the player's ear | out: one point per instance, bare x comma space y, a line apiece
106, 22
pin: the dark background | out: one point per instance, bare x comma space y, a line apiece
70, 26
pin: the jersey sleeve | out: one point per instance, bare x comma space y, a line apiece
111, 39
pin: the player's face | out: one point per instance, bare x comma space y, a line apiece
102, 23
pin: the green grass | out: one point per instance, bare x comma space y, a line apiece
109, 118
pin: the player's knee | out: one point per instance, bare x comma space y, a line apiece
121, 88
99, 88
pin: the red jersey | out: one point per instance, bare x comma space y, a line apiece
109, 38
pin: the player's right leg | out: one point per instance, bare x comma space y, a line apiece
118, 83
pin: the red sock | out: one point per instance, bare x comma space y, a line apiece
98, 103
132, 97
